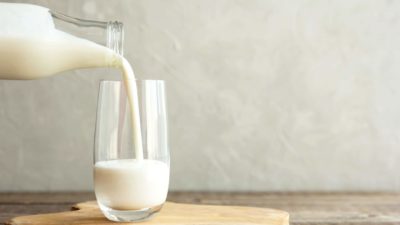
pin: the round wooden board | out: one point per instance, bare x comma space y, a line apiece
88, 213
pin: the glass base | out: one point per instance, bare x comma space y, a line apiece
129, 215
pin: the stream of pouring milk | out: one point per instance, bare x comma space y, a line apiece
31, 48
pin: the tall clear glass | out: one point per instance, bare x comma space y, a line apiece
129, 188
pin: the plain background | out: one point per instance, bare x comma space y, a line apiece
263, 95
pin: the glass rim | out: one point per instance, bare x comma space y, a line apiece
136, 80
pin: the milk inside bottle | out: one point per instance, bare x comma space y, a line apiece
31, 47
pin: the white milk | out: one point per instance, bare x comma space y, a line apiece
31, 48
131, 184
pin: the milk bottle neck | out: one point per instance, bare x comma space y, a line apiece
110, 34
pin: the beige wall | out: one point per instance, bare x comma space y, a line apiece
263, 95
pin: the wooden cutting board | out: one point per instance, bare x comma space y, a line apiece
88, 213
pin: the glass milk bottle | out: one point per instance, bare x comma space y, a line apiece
36, 42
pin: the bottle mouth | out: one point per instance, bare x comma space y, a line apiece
115, 37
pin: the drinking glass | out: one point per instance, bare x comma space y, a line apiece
131, 184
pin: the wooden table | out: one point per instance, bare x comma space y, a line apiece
304, 208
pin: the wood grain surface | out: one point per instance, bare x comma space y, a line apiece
88, 213
304, 208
